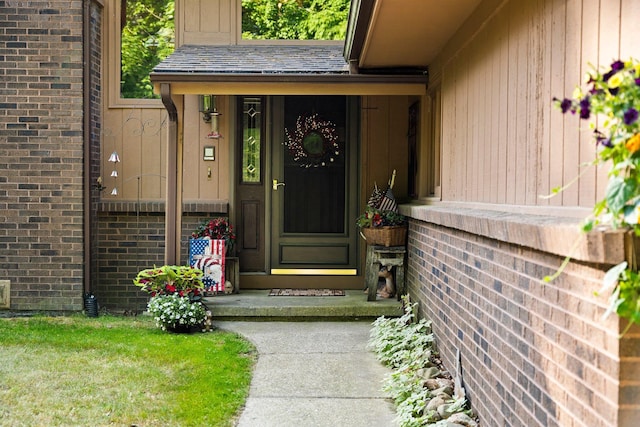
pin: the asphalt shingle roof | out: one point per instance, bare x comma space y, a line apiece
255, 59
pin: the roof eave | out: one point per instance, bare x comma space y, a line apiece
360, 12
170, 77
289, 83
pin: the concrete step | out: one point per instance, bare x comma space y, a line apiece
259, 306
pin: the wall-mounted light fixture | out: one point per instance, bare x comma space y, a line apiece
207, 106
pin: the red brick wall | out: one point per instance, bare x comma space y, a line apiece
41, 140
130, 238
127, 243
533, 354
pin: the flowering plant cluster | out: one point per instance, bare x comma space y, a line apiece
181, 280
373, 217
216, 228
173, 311
612, 104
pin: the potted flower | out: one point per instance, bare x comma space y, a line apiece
176, 295
216, 229
611, 104
382, 227
210, 244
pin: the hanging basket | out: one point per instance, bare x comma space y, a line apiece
385, 236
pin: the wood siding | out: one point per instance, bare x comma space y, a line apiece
139, 136
384, 145
207, 22
503, 141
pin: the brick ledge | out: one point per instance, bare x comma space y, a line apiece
548, 233
216, 206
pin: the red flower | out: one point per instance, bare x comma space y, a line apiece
170, 288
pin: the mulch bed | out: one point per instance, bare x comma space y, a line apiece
306, 293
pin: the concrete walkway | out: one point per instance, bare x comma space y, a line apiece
313, 374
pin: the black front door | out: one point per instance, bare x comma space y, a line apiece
313, 185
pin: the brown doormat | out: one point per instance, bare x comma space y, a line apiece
306, 293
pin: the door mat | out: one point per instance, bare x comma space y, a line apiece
306, 293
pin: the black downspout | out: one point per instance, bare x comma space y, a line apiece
86, 134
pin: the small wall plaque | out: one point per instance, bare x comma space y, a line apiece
209, 153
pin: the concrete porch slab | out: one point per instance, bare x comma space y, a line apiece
259, 306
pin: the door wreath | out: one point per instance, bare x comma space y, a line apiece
314, 142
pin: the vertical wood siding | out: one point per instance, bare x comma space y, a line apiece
384, 126
503, 141
139, 136
206, 21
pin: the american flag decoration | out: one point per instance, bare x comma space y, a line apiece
208, 255
376, 197
388, 202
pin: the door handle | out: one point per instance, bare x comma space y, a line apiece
276, 184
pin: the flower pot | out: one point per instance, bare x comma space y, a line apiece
182, 329
385, 236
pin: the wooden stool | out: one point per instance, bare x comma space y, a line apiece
232, 272
392, 256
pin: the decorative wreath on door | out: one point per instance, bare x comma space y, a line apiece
314, 142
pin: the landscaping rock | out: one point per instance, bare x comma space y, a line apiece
436, 383
444, 410
435, 403
446, 390
428, 373
462, 419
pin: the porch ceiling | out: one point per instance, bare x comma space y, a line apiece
404, 34
292, 69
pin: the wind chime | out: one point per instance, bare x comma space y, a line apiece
115, 159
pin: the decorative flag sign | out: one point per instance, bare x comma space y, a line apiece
208, 256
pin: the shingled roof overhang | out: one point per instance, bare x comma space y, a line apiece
301, 69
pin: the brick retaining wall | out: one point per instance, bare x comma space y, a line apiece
533, 354
131, 238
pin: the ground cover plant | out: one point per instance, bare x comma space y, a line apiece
424, 393
59, 371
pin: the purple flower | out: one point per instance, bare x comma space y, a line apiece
630, 116
638, 81
617, 65
565, 105
601, 139
585, 108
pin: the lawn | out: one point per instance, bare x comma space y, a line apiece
61, 371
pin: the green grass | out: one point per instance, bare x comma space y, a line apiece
61, 371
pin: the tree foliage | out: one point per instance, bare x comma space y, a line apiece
148, 33
294, 19
147, 38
